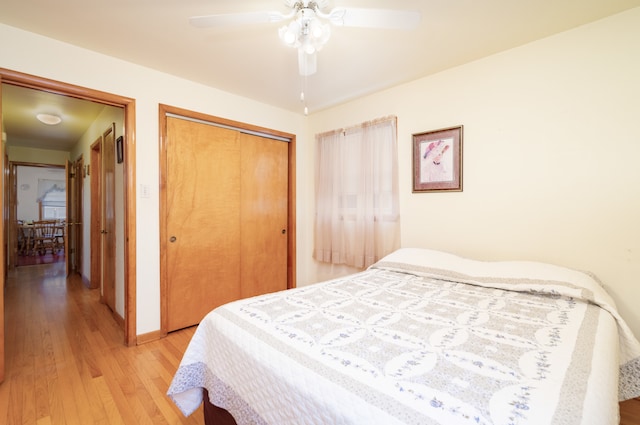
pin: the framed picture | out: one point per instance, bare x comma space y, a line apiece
437, 160
119, 150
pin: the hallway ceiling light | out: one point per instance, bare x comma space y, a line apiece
49, 119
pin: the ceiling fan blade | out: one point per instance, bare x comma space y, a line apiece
374, 18
225, 20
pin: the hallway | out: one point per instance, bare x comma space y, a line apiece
66, 362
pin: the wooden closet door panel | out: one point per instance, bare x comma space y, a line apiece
264, 215
203, 220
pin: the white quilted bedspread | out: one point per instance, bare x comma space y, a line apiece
421, 337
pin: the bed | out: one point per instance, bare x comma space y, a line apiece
420, 337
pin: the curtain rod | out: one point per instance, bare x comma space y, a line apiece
370, 123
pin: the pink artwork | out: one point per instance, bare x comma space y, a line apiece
437, 160
436, 164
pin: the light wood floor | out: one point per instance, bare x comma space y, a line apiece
66, 362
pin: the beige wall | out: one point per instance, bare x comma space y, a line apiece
551, 153
37, 156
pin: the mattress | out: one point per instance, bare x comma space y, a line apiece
421, 337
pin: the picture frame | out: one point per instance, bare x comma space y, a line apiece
119, 150
437, 160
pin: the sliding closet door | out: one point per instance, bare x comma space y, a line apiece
227, 207
203, 220
263, 215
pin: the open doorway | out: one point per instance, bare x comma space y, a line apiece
127, 184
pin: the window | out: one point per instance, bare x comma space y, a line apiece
357, 219
51, 212
53, 200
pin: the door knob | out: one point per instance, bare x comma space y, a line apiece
172, 239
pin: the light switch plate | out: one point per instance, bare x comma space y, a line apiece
145, 191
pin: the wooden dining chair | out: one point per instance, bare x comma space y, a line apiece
59, 232
44, 237
24, 238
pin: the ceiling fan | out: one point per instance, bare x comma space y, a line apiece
310, 21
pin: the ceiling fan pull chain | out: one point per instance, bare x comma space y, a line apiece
303, 97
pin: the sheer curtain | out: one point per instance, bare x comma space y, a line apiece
357, 219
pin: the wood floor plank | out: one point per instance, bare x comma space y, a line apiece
56, 408
4, 403
44, 421
122, 391
44, 368
17, 413
26, 381
155, 385
108, 402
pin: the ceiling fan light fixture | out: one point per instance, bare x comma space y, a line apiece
308, 47
319, 33
307, 63
315, 29
49, 119
289, 34
306, 32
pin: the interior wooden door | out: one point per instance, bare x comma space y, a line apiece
202, 220
77, 242
263, 215
69, 218
4, 190
12, 209
108, 218
95, 226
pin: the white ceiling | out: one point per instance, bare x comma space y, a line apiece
251, 61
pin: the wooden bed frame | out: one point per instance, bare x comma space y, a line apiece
214, 415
